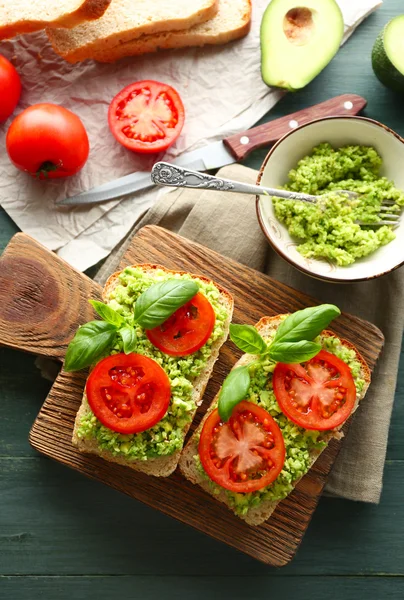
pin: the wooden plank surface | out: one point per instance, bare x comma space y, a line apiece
199, 588
362, 556
255, 295
55, 521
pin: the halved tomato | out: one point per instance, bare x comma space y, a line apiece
187, 330
128, 393
319, 394
245, 454
146, 116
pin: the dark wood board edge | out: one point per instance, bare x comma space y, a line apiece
43, 299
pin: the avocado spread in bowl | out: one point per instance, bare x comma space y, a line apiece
330, 229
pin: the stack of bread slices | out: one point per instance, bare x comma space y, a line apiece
20, 16
107, 30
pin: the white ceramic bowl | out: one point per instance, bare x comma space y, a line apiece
286, 153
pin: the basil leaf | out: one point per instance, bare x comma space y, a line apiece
234, 390
306, 324
90, 341
107, 313
129, 338
247, 338
293, 352
161, 300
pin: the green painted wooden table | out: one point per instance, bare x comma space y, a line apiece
65, 537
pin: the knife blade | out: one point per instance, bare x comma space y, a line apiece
225, 152
213, 156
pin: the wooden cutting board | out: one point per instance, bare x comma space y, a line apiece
43, 300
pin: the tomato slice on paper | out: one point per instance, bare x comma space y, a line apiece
319, 394
146, 116
128, 393
187, 330
246, 453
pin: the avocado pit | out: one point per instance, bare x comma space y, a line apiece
298, 25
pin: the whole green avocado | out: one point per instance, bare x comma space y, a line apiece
388, 57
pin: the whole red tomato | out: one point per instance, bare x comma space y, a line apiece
47, 141
10, 88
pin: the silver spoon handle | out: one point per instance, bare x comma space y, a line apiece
170, 175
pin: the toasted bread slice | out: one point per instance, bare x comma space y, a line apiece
127, 20
232, 21
20, 16
163, 466
255, 516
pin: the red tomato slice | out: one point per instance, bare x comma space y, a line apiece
10, 86
319, 394
187, 330
146, 116
128, 393
245, 454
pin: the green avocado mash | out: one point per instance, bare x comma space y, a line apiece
329, 229
299, 442
167, 436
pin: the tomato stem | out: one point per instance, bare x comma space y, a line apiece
46, 168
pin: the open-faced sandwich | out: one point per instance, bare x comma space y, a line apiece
276, 412
151, 357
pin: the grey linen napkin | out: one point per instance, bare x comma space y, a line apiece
227, 223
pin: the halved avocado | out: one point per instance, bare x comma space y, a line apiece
388, 55
298, 39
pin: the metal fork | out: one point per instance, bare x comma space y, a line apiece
167, 174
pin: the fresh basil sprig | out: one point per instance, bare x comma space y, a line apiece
129, 338
234, 390
89, 343
107, 313
293, 352
247, 338
293, 343
161, 300
306, 324
152, 308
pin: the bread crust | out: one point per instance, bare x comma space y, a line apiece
198, 35
77, 45
261, 513
165, 465
87, 11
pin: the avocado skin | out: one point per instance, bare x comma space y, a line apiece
384, 69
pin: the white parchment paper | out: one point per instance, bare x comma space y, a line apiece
222, 91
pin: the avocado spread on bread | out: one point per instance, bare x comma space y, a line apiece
299, 443
167, 436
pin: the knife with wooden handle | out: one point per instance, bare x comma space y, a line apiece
230, 150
